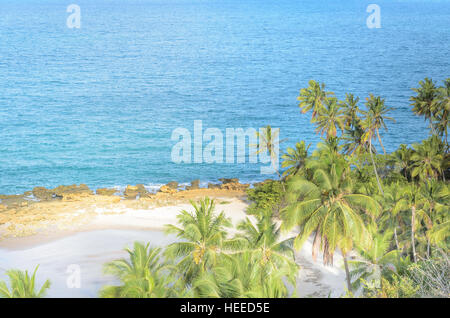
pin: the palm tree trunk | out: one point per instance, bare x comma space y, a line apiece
374, 167
413, 221
347, 273
396, 239
397, 245
381, 144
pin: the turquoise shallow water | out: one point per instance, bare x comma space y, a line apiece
97, 105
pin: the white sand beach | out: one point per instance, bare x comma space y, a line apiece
105, 235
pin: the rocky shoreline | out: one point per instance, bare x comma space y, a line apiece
42, 210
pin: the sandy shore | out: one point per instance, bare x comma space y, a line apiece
103, 230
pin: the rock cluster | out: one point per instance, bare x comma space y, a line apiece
167, 189
233, 184
106, 191
172, 185
194, 185
131, 192
13, 200
72, 192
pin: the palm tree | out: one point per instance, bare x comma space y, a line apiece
330, 118
294, 159
426, 100
435, 197
442, 110
263, 242
328, 206
351, 110
269, 142
22, 285
440, 233
374, 262
376, 111
241, 276
411, 200
204, 238
143, 275
402, 159
393, 209
312, 98
355, 143
427, 159
369, 134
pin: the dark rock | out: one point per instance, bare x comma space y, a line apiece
226, 180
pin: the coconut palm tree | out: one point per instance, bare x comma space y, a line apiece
330, 118
435, 209
294, 158
263, 242
328, 207
313, 98
442, 111
22, 285
426, 100
440, 233
351, 110
427, 159
143, 275
402, 159
269, 141
374, 262
411, 200
241, 276
204, 238
354, 140
393, 210
369, 134
376, 112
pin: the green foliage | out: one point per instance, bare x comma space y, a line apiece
143, 275
433, 103
266, 247
328, 206
397, 287
204, 238
294, 159
376, 261
267, 198
313, 98
22, 285
240, 276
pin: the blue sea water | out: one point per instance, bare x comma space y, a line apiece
98, 105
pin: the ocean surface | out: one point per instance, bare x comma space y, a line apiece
98, 104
